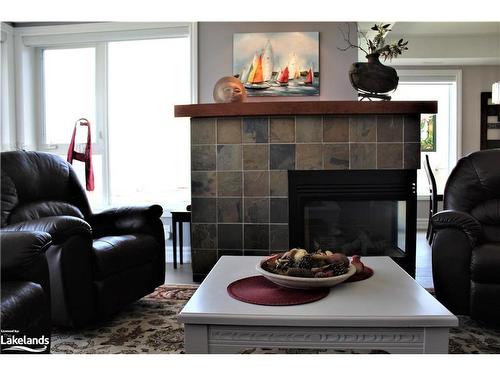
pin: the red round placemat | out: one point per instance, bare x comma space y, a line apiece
260, 291
367, 272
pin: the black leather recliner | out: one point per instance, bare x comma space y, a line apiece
466, 248
25, 290
98, 262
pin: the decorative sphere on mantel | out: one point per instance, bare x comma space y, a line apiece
229, 90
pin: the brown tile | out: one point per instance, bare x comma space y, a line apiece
282, 129
278, 183
257, 253
203, 210
255, 129
362, 129
229, 157
411, 156
336, 129
363, 155
256, 157
256, 184
203, 184
389, 128
279, 210
233, 252
229, 184
228, 130
282, 156
256, 236
309, 156
309, 129
203, 158
256, 210
390, 155
336, 156
412, 128
202, 131
203, 236
229, 210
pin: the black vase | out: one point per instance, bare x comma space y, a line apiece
373, 79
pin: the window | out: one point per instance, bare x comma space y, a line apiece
443, 88
126, 86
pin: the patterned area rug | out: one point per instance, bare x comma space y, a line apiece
150, 326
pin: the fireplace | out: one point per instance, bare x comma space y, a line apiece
364, 212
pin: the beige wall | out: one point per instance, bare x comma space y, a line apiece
215, 56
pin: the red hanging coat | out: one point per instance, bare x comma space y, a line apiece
85, 157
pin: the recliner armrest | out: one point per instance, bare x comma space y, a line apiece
458, 220
60, 228
124, 220
23, 257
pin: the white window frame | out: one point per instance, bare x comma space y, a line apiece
29, 43
7, 89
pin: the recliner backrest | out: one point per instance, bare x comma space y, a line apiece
39, 184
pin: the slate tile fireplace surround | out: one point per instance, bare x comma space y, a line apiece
241, 154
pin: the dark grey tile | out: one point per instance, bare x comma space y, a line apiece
228, 130
229, 210
202, 131
203, 158
256, 210
278, 183
282, 129
279, 210
257, 253
234, 252
363, 155
390, 155
362, 128
412, 128
389, 128
278, 237
203, 210
282, 156
336, 129
256, 236
229, 157
256, 157
255, 129
308, 129
230, 236
411, 156
203, 236
336, 156
256, 184
229, 184
309, 156
203, 261
203, 184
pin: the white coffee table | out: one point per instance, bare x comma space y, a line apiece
388, 311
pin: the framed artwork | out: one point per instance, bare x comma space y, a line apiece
428, 133
277, 64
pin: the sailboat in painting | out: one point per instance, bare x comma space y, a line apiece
309, 77
282, 78
260, 71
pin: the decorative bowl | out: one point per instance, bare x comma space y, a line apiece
304, 282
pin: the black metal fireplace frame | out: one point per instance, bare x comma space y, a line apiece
395, 184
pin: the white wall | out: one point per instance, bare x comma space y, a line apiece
215, 56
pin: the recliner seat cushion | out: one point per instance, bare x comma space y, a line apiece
23, 304
485, 263
114, 254
37, 210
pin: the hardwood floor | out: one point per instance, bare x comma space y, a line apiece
183, 273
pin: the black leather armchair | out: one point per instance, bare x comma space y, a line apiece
25, 289
98, 262
466, 249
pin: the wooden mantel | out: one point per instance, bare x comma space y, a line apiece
305, 108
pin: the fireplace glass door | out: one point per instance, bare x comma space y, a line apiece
363, 227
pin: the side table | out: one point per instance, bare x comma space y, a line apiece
178, 217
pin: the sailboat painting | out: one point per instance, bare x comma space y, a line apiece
277, 64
